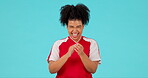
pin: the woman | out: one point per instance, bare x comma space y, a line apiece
74, 56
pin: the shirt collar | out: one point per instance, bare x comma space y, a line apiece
76, 41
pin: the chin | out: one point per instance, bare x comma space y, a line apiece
76, 39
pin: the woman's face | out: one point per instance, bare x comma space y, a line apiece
75, 28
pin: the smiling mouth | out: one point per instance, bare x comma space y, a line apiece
75, 35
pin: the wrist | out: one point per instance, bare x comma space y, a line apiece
68, 54
81, 54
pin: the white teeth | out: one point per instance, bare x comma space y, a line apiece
75, 35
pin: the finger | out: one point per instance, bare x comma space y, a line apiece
76, 50
74, 45
78, 47
78, 44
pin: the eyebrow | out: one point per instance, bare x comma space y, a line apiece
73, 26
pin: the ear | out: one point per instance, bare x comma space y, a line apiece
83, 26
67, 26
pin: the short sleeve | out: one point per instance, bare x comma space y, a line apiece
94, 52
54, 53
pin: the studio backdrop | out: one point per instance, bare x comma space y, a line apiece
28, 29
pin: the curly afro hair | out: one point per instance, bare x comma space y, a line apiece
71, 12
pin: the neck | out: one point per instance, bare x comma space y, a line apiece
76, 41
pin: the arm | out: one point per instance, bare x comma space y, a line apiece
90, 66
55, 66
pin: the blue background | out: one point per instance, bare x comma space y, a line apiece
28, 29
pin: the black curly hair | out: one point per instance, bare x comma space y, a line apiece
71, 12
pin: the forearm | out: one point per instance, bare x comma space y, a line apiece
56, 66
88, 64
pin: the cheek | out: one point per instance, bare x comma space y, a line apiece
80, 30
69, 31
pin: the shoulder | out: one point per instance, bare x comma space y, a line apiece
89, 40
60, 41
93, 43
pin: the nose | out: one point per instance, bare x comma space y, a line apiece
75, 30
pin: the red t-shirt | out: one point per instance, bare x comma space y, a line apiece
74, 68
